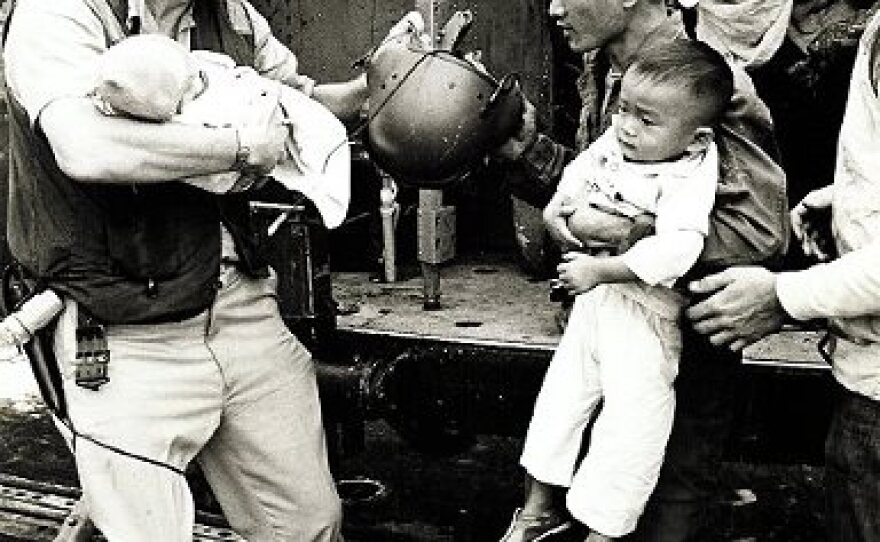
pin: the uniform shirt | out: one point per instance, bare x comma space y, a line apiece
80, 31
70, 35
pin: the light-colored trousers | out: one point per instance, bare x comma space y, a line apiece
232, 388
613, 349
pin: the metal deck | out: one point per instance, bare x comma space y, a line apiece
483, 301
490, 300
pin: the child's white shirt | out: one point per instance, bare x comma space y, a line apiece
679, 194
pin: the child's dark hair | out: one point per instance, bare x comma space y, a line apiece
695, 68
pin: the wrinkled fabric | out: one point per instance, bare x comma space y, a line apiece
749, 31
617, 351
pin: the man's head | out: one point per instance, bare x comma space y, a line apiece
146, 76
671, 97
590, 24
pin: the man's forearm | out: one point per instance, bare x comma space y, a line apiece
845, 288
345, 99
91, 147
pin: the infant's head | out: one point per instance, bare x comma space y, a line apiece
146, 76
670, 99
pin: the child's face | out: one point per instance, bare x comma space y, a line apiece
654, 122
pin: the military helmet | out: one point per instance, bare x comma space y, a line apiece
433, 114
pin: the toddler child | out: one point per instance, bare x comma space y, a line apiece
622, 343
152, 77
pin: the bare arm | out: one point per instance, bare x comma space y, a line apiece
102, 149
580, 272
118, 150
345, 99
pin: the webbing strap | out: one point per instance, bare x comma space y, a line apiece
6, 24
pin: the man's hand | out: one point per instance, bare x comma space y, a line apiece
742, 306
411, 25
514, 147
579, 272
811, 226
261, 139
555, 216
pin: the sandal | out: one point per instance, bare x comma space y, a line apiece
535, 528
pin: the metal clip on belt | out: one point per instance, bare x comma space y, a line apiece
92, 357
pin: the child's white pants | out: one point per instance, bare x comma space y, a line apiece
613, 348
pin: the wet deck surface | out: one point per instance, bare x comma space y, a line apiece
466, 497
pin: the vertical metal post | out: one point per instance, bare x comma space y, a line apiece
436, 222
388, 211
436, 233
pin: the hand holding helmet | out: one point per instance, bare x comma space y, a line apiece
410, 27
434, 115
520, 141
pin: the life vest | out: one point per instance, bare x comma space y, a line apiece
127, 253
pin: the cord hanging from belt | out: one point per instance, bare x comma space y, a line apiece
93, 356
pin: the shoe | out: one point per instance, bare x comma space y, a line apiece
562, 314
535, 528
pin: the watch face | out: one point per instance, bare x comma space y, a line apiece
242, 153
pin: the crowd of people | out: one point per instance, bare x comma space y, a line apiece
671, 213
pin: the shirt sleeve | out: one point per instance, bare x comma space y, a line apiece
544, 161
847, 287
44, 66
273, 59
681, 226
662, 258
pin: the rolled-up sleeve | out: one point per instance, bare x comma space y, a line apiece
848, 287
43, 66
545, 160
273, 59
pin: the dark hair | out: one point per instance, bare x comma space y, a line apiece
693, 67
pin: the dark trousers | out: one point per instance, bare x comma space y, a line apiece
704, 415
852, 472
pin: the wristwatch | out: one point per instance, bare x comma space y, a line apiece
242, 153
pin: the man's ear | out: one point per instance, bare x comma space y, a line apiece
703, 136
